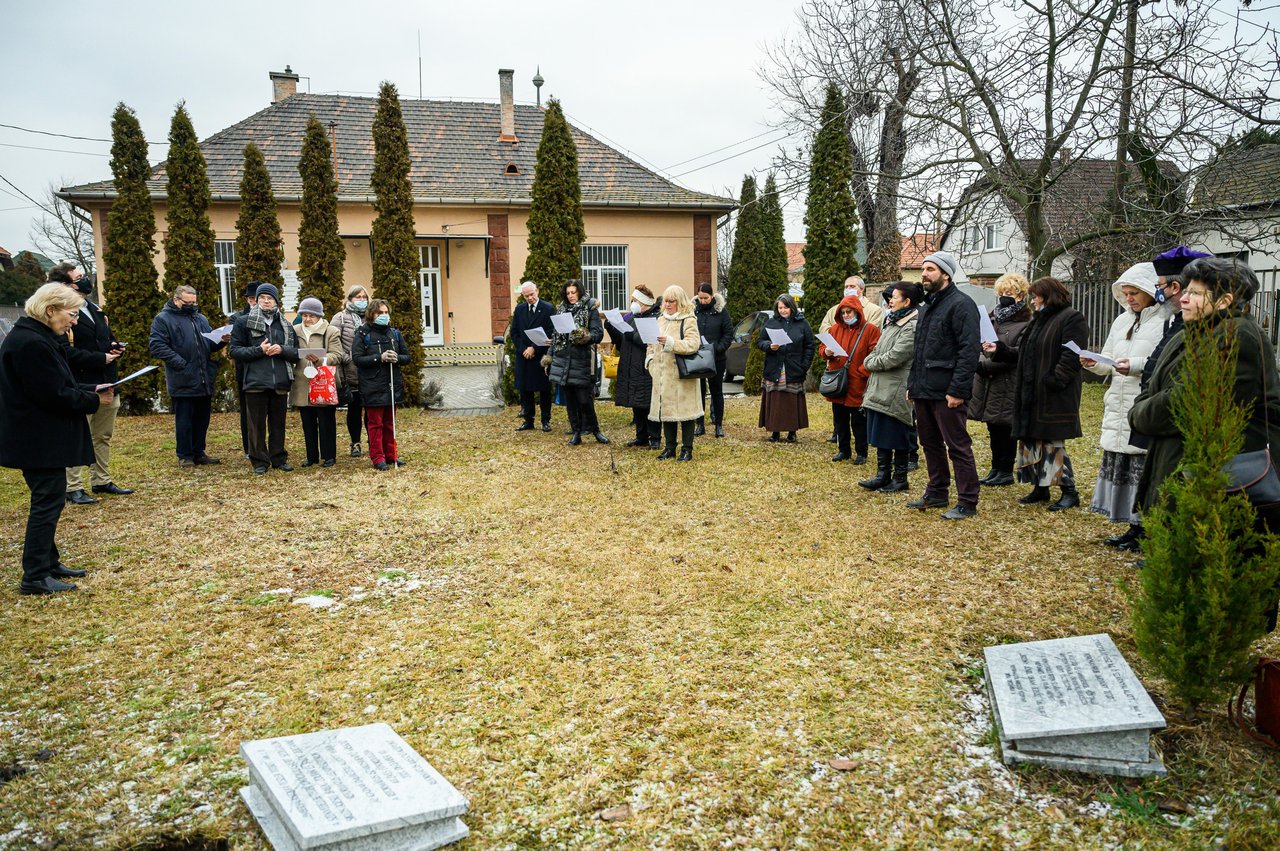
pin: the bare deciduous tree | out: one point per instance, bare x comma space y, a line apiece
64, 232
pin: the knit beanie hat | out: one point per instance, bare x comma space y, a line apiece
268, 289
312, 306
944, 260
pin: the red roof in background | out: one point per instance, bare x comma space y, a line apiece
795, 256
917, 247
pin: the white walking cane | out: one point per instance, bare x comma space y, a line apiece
391, 374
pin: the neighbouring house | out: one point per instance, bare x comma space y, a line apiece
6, 259
914, 249
472, 175
795, 263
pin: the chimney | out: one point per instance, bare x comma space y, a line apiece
505, 88
283, 84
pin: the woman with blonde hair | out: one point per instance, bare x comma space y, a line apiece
43, 426
994, 381
675, 399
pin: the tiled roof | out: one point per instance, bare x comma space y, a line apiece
917, 247
454, 149
795, 257
1241, 178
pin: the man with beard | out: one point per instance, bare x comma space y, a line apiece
941, 382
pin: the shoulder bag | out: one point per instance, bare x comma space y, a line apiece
834, 384
1254, 473
700, 364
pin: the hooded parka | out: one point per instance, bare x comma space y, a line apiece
858, 340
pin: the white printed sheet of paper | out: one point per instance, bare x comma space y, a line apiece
563, 322
647, 327
778, 337
833, 348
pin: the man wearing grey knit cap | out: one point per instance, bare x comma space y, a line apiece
941, 382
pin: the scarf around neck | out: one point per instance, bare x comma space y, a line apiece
581, 313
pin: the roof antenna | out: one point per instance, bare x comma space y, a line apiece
419, 64
537, 83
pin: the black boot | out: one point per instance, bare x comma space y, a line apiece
668, 452
998, 479
1070, 499
576, 440
1125, 537
1134, 544
686, 454
987, 477
881, 478
1038, 494
899, 481
913, 459
719, 430
700, 427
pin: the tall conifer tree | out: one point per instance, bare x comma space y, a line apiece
395, 257
320, 251
130, 292
774, 236
259, 254
749, 287
556, 232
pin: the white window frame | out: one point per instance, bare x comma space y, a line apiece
224, 250
993, 236
430, 294
598, 261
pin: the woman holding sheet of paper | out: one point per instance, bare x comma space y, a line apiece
889, 415
675, 399
994, 382
1046, 409
1134, 335
856, 337
788, 351
573, 359
633, 388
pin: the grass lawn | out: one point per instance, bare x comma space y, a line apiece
563, 631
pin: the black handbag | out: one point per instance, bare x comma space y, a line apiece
700, 364
835, 382
1254, 473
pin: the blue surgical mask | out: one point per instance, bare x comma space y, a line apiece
1160, 296
360, 305
852, 320
383, 320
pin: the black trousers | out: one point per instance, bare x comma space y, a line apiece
850, 420
581, 404
266, 427
320, 432
527, 398
644, 431
191, 424
1003, 447
244, 423
48, 495
686, 435
716, 385
355, 416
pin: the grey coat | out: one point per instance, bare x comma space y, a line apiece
890, 365
347, 321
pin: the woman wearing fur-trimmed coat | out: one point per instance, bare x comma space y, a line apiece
675, 399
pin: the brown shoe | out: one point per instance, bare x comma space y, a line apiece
186, 462
205, 460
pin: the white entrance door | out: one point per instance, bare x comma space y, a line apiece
429, 288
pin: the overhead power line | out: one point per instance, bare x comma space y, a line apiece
66, 135
54, 150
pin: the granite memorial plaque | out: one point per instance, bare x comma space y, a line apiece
1072, 703
353, 788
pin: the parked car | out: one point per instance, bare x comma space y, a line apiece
736, 356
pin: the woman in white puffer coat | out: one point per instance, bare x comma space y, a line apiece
1133, 335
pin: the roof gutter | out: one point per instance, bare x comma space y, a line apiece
102, 195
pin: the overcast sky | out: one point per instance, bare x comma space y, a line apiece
665, 80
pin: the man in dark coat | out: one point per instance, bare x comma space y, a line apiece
267, 346
177, 338
91, 350
940, 382
531, 378
43, 426
716, 327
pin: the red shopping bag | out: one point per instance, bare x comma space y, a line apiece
324, 387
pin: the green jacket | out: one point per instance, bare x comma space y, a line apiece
889, 364
1152, 413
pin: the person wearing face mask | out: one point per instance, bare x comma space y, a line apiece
380, 354
782, 402
633, 388
190, 371
43, 426
675, 400
319, 422
993, 384
889, 418
347, 321
530, 378
871, 312
250, 302
716, 326
857, 337
267, 346
91, 350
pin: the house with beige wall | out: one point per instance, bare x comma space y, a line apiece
472, 176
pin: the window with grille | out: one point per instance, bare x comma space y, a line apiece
224, 260
604, 275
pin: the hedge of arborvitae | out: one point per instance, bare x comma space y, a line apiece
188, 245
395, 257
321, 254
773, 236
556, 232
831, 217
131, 297
259, 253
749, 289
1208, 576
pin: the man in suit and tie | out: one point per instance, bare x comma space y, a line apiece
531, 378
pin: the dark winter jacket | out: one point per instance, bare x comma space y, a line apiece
716, 327
1171, 329
42, 407
858, 340
796, 356
189, 367
947, 347
87, 344
574, 364
1047, 377
529, 373
263, 373
367, 346
633, 388
1152, 413
993, 386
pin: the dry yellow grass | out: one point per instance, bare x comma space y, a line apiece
564, 631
